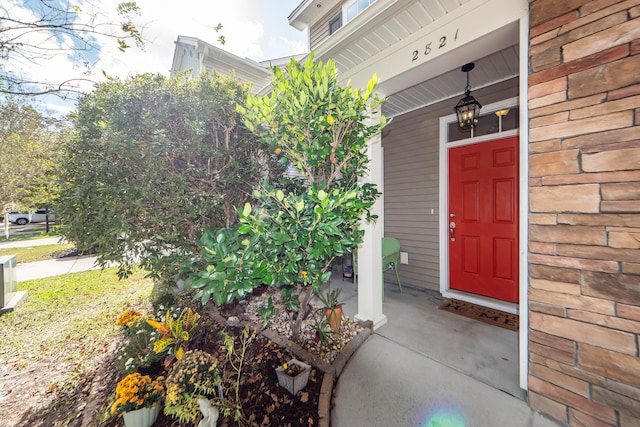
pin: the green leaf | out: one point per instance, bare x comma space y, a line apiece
247, 209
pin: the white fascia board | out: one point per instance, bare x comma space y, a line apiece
309, 12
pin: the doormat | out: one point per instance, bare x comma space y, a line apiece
483, 314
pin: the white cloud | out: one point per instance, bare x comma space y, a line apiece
255, 29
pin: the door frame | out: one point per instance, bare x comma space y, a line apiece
443, 228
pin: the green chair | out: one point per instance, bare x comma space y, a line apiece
390, 259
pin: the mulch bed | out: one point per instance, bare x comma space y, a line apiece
265, 402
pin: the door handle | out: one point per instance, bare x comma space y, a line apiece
452, 227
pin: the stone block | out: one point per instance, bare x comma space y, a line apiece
600, 138
582, 332
560, 379
559, 274
567, 106
597, 6
624, 389
554, 409
604, 320
627, 421
624, 92
551, 26
547, 88
552, 119
580, 235
545, 146
572, 400
618, 160
554, 163
621, 190
578, 65
580, 419
620, 220
545, 10
623, 368
603, 37
624, 206
551, 99
542, 248
625, 240
565, 198
605, 77
573, 128
562, 344
603, 110
547, 55
554, 310
543, 219
555, 286
622, 288
631, 268
552, 353
589, 178
598, 252
569, 301
626, 311
578, 263
544, 37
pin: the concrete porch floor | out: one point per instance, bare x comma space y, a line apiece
427, 367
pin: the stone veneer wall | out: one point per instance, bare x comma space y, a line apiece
584, 219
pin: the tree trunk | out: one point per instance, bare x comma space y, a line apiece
302, 314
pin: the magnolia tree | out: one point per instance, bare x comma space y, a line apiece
291, 239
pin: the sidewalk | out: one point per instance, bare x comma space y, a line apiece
48, 268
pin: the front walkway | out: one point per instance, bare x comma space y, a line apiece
427, 367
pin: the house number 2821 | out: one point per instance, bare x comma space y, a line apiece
430, 47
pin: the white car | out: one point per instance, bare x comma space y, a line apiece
36, 216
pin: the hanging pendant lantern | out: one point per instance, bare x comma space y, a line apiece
468, 108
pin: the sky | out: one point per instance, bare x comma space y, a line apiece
255, 29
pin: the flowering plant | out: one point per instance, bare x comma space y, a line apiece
138, 352
137, 391
193, 377
176, 332
128, 317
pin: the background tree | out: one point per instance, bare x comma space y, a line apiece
152, 162
321, 129
33, 31
31, 148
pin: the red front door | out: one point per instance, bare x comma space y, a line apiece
483, 218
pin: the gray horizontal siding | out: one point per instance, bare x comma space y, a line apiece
320, 30
411, 185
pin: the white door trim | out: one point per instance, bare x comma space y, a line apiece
523, 206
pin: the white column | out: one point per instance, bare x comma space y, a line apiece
369, 275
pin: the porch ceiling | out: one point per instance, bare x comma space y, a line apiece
387, 23
489, 70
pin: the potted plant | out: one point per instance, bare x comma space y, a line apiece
293, 375
138, 400
332, 307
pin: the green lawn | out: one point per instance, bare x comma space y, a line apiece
69, 319
34, 253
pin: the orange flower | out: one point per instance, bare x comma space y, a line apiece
304, 274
